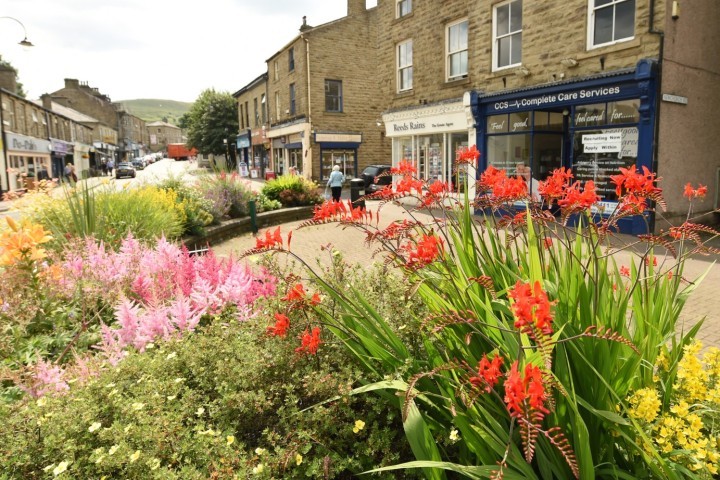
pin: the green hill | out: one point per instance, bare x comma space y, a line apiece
153, 110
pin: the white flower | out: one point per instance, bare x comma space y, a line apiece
138, 406
154, 464
113, 449
94, 427
230, 439
171, 356
179, 379
171, 397
200, 411
260, 451
259, 469
454, 437
62, 466
41, 401
134, 456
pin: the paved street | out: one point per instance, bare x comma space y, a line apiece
307, 243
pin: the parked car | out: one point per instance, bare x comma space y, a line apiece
373, 181
125, 169
138, 163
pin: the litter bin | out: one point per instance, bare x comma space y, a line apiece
269, 175
357, 190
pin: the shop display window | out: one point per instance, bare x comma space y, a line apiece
344, 158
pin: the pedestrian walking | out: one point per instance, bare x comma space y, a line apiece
70, 172
335, 182
110, 166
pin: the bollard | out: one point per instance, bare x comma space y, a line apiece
252, 210
357, 190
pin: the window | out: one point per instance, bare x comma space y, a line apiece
610, 21
457, 50
257, 112
405, 66
291, 59
247, 115
277, 71
263, 106
333, 96
242, 117
277, 106
292, 99
404, 7
507, 35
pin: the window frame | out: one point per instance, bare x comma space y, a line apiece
400, 68
339, 96
399, 8
291, 59
591, 23
496, 39
257, 112
278, 110
449, 54
292, 93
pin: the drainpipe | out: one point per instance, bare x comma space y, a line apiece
3, 139
307, 62
658, 99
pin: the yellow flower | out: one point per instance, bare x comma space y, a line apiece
359, 425
454, 437
644, 404
200, 411
138, 406
260, 451
154, 464
259, 469
113, 449
41, 401
171, 397
230, 439
94, 427
298, 459
135, 456
62, 466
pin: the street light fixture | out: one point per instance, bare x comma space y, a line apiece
24, 42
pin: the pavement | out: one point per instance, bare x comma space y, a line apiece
309, 244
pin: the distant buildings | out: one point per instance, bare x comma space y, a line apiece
162, 133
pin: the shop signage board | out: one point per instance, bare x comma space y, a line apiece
674, 99
602, 142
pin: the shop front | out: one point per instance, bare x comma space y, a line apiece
339, 149
28, 160
244, 152
62, 153
291, 148
260, 144
81, 159
594, 127
429, 138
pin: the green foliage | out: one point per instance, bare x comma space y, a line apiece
211, 119
200, 408
231, 189
292, 191
197, 211
106, 214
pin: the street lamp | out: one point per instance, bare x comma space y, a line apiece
24, 42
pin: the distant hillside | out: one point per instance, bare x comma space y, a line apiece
153, 110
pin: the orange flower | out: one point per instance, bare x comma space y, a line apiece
282, 323
424, 252
467, 156
531, 307
488, 372
576, 199
691, 193
405, 167
271, 239
525, 394
310, 342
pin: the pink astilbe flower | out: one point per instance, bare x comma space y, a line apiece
46, 379
127, 317
183, 315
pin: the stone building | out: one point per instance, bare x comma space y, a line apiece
162, 133
324, 108
131, 131
36, 143
587, 84
252, 143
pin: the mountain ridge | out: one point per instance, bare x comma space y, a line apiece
154, 109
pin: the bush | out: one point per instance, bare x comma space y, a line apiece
232, 188
292, 191
198, 211
105, 214
227, 402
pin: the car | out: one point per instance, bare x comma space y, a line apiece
125, 169
374, 178
138, 163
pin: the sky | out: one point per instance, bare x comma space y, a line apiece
162, 49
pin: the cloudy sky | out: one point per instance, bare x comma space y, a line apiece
164, 49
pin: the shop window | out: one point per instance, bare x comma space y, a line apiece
626, 111
345, 159
295, 162
457, 50
404, 7
590, 115
405, 66
508, 152
333, 96
610, 21
507, 35
292, 99
291, 59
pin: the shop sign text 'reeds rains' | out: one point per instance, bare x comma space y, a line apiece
544, 100
408, 126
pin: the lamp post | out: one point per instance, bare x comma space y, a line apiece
24, 42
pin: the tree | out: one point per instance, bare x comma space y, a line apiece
211, 119
19, 88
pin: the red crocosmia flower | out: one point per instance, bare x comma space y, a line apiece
526, 393
624, 271
282, 323
467, 156
315, 300
329, 211
490, 177
405, 167
631, 181
632, 203
407, 184
295, 294
553, 187
270, 240
424, 252
310, 342
488, 373
531, 307
691, 193
510, 189
647, 261
576, 199
547, 242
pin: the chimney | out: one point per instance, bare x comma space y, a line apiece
304, 25
8, 78
46, 101
356, 7
72, 83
